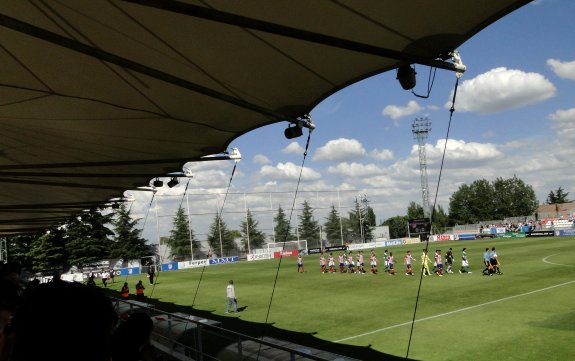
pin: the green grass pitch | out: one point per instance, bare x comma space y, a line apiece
527, 313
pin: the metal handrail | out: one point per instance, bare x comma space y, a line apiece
201, 325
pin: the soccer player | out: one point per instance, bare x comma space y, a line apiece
449, 260
390, 264
494, 261
331, 263
300, 264
373, 262
488, 270
322, 263
425, 263
385, 260
341, 259
439, 261
407, 260
434, 270
464, 262
350, 263
360, 264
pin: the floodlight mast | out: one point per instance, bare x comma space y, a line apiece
421, 128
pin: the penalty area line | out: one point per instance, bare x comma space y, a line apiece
454, 311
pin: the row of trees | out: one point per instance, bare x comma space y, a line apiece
357, 226
87, 240
84, 241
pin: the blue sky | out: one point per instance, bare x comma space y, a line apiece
515, 115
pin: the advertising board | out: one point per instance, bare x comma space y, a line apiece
223, 260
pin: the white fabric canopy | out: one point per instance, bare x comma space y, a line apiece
97, 97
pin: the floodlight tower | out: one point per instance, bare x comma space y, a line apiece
421, 128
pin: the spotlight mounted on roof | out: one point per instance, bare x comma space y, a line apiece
297, 129
173, 182
158, 183
406, 76
293, 132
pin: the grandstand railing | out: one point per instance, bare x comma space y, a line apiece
185, 338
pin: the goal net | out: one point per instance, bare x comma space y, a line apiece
287, 246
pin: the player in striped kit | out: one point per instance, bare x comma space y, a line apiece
390, 264
439, 262
408, 259
331, 263
350, 263
373, 262
360, 264
341, 260
322, 263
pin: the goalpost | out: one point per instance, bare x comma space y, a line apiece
287, 246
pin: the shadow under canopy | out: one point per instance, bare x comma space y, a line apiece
100, 97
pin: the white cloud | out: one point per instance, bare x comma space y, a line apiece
461, 154
355, 169
501, 89
261, 159
565, 70
293, 148
384, 154
340, 150
564, 123
288, 171
396, 112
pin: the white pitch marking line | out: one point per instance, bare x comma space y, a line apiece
558, 264
455, 311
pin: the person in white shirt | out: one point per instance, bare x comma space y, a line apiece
231, 294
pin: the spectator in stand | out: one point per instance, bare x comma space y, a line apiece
140, 291
125, 291
131, 340
11, 296
57, 315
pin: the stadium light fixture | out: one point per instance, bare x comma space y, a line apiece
293, 132
297, 129
173, 182
406, 76
158, 183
